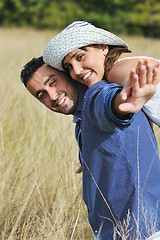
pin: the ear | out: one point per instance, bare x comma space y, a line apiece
104, 48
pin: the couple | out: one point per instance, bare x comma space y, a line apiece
118, 149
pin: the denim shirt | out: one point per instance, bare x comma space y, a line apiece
77, 120
121, 165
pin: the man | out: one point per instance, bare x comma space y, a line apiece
118, 149
55, 90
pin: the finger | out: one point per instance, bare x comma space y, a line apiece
157, 65
149, 74
79, 170
135, 83
156, 70
146, 61
126, 92
125, 107
155, 79
127, 84
142, 76
131, 75
140, 63
133, 78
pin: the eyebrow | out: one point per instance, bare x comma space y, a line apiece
47, 80
50, 76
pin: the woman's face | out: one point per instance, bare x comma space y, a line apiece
86, 65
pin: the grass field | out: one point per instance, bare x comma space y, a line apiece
40, 194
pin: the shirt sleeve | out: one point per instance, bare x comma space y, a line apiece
100, 110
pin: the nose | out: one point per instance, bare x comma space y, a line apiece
77, 69
52, 94
53, 97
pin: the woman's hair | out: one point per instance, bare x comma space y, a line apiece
113, 54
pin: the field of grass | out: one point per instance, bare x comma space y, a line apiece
40, 194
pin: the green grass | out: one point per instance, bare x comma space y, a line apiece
40, 194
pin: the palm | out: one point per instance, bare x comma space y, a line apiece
138, 98
139, 88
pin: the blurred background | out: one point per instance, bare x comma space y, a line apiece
40, 194
119, 16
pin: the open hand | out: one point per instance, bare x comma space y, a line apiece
140, 87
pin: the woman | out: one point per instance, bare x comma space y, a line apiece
114, 64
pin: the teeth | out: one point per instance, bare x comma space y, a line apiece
86, 76
62, 100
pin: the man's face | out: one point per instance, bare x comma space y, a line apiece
54, 89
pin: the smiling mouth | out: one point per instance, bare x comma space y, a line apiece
59, 103
86, 76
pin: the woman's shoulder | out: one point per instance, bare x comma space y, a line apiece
126, 62
121, 68
124, 57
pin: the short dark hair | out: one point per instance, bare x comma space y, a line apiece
30, 68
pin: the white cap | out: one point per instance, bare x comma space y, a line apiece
77, 35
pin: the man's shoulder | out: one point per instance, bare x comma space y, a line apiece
97, 86
100, 88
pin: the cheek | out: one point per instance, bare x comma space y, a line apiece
99, 68
96, 61
46, 102
101, 65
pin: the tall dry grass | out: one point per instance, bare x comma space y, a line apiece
40, 195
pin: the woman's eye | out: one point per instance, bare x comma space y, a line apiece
69, 67
80, 57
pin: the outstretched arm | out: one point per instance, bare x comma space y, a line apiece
139, 88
